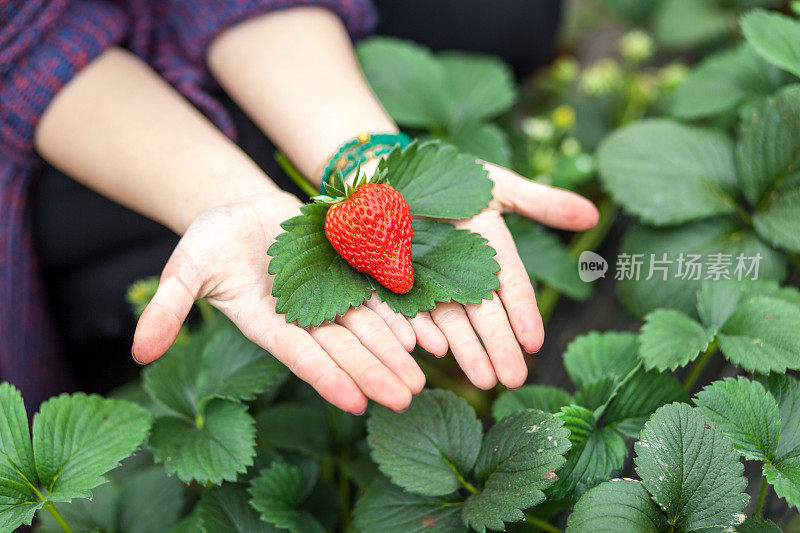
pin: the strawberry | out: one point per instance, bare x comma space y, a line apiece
369, 225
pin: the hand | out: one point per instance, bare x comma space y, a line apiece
511, 318
222, 258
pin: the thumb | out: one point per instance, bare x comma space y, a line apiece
161, 320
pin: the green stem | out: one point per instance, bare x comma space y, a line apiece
541, 524
698, 366
466, 484
295, 174
762, 496
60, 519
588, 240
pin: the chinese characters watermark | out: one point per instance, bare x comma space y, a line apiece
685, 266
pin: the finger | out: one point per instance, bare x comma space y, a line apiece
161, 320
491, 322
305, 358
396, 322
472, 358
429, 336
516, 291
373, 378
549, 205
376, 337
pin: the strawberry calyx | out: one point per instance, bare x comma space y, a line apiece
339, 190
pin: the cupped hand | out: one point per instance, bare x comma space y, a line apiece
222, 258
511, 318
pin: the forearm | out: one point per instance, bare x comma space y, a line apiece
294, 72
121, 130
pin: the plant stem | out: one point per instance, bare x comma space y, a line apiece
698, 366
60, 519
467, 485
295, 174
762, 496
541, 524
588, 240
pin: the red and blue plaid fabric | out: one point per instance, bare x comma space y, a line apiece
43, 45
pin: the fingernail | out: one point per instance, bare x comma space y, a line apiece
514, 388
529, 352
361, 413
400, 411
134, 357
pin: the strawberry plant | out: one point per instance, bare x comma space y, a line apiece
687, 419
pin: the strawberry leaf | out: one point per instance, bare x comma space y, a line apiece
596, 355
427, 449
541, 397
388, 508
669, 339
438, 181
77, 439
226, 509
277, 494
517, 462
617, 505
213, 450
449, 264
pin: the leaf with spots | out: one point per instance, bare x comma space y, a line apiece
518, 461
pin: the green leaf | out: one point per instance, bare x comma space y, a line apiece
682, 24
226, 509
669, 339
408, 81
18, 501
449, 264
596, 355
517, 462
678, 291
98, 514
597, 394
388, 508
219, 364
718, 300
312, 282
219, 450
784, 475
294, 426
190, 524
427, 449
541, 397
639, 397
428, 174
756, 524
144, 501
724, 82
617, 505
150, 501
480, 87
78, 438
691, 470
666, 173
277, 494
764, 424
484, 141
768, 158
776, 37
786, 391
596, 452
761, 335
546, 259
765, 154
745, 413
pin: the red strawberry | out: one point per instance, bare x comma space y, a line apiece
370, 227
